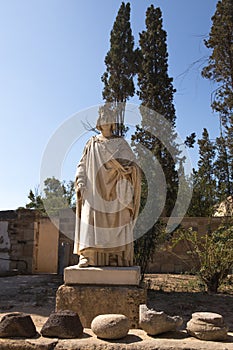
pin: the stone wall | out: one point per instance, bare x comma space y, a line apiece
176, 259
33, 244
17, 236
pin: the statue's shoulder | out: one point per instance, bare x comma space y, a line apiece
88, 144
123, 141
91, 140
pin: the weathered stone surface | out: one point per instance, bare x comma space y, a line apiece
153, 322
28, 344
90, 301
111, 326
207, 326
17, 324
136, 339
63, 324
40, 343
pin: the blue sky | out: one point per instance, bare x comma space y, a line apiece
51, 61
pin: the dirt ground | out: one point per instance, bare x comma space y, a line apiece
175, 294
183, 295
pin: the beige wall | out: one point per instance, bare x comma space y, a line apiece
175, 259
46, 247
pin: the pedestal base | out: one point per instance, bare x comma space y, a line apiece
102, 275
90, 301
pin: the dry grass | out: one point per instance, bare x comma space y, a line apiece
183, 283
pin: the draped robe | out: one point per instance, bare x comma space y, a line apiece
108, 207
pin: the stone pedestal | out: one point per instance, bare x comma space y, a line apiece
94, 291
102, 275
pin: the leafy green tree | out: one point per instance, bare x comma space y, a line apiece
36, 201
212, 253
204, 193
156, 93
121, 65
57, 195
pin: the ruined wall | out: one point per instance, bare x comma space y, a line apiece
4, 247
31, 244
17, 230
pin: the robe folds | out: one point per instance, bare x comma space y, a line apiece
108, 202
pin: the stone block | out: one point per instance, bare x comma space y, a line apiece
90, 301
63, 324
28, 250
102, 275
207, 326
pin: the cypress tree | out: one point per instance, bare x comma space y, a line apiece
156, 93
121, 65
222, 170
220, 63
204, 194
220, 70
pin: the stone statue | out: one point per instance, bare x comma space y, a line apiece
108, 196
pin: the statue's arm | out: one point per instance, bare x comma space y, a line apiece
81, 176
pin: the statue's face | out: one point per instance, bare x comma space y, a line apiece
105, 122
103, 118
106, 127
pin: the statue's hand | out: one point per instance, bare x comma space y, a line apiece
81, 189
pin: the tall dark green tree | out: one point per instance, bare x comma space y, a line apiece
204, 193
156, 135
121, 65
155, 86
228, 135
222, 169
220, 63
156, 94
220, 70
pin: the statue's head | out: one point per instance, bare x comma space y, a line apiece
106, 116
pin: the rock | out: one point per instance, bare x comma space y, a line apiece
110, 326
207, 326
63, 324
17, 324
153, 322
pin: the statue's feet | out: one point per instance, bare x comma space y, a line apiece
83, 262
113, 260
